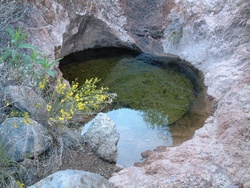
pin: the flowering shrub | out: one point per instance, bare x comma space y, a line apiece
67, 104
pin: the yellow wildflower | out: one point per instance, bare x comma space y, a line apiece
27, 118
80, 106
72, 112
77, 97
61, 87
38, 105
48, 108
20, 184
74, 86
61, 118
7, 103
15, 125
41, 85
69, 95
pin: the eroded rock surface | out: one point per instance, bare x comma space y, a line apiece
214, 37
23, 138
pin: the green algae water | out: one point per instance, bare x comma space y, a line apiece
159, 101
139, 86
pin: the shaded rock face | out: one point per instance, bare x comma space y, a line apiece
214, 37
102, 136
23, 139
88, 32
73, 178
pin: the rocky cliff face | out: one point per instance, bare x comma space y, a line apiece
212, 35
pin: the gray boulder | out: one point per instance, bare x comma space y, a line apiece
73, 178
26, 99
102, 136
22, 139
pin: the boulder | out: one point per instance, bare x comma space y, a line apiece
73, 178
102, 136
26, 99
23, 139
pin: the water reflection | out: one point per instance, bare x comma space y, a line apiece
155, 118
138, 133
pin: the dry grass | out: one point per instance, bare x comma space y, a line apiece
10, 171
11, 12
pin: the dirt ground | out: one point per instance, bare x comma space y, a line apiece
83, 158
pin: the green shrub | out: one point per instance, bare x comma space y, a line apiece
22, 64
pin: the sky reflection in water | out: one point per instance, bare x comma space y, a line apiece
137, 135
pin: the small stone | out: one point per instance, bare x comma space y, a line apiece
161, 148
118, 168
146, 153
